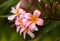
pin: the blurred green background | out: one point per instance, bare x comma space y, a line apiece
51, 32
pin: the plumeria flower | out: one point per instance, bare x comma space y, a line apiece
16, 12
26, 30
27, 23
19, 23
23, 26
34, 19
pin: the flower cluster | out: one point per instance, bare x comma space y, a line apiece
25, 22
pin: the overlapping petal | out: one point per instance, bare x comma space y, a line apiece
18, 5
22, 11
36, 13
32, 27
17, 21
18, 28
25, 22
28, 15
39, 22
24, 34
30, 34
12, 10
11, 17
22, 29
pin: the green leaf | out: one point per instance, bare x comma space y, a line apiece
8, 4
49, 27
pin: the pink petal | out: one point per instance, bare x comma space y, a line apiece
31, 34
21, 11
11, 17
13, 10
36, 29
21, 16
18, 5
28, 15
17, 29
22, 3
24, 34
32, 27
17, 22
26, 22
36, 13
40, 21
22, 29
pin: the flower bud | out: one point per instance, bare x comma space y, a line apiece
47, 7
55, 4
39, 0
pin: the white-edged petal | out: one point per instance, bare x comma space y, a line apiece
40, 21
31, 34
13, 10
18, 28
28, 15
36, 29
21, 11
18, 5
17, 21
24, 34
26, 22
21, 16
36, 13
32, 27
11, 17
22, 29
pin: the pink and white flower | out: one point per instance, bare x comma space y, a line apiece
25, 22
26, 30
34, 19
31, 20
19, 23
30, 33
22, 25
16, 12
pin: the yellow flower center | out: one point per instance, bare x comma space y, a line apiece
17, 12
21, 23
33, 19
